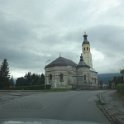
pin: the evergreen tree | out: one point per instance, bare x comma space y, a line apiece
4, 75
122, 72
42, 79
28, 78
31, 80
21, 81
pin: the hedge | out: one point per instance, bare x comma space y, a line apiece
33, 87
120, 88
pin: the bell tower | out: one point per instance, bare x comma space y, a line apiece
86, 51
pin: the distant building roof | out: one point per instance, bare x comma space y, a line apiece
61, 61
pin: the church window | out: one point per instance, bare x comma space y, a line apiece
95, 80
50, 77
61, 77
85, 77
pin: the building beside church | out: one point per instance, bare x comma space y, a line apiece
63, 72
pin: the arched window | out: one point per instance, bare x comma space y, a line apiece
61, 77
95, 80
84, 49
50, 77
87, 48
85, 77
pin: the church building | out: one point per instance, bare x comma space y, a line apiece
64, 73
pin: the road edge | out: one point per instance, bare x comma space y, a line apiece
110, 115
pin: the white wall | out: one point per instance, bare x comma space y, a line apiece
67, 71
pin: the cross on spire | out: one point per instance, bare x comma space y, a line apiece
81, 57
59, 54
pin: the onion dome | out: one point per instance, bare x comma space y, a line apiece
85, 39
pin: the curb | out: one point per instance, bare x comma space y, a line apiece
111, 115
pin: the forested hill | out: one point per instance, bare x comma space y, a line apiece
107, 76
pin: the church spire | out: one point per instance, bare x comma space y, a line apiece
81, 57
86, 51
82, 63
85, 36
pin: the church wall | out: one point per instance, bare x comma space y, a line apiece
67, 72
83, 77
94, 79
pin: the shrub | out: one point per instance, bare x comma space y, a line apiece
120, 88
33, 87
48, 86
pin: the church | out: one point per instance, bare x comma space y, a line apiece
64, 73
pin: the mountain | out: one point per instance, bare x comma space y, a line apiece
107, 76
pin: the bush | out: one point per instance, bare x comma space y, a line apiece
33, 87
48, 86
120, 88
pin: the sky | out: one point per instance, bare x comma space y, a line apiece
35, 32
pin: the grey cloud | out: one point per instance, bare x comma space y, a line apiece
108, 38
14, 32
33, 32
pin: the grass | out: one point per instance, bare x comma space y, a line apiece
40, 88
57, 89
119, 95
120, 89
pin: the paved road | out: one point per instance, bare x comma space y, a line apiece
67, 106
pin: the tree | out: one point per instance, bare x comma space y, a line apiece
31, 80
20, 81
122, 72
11, 82
42, 79
28, 78
4, 75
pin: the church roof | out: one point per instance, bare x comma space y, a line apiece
82, 63
61, 61
93, 70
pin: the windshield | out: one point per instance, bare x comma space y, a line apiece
61, 61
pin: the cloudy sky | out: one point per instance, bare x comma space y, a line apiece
35, 32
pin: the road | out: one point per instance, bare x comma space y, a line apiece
67, 106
